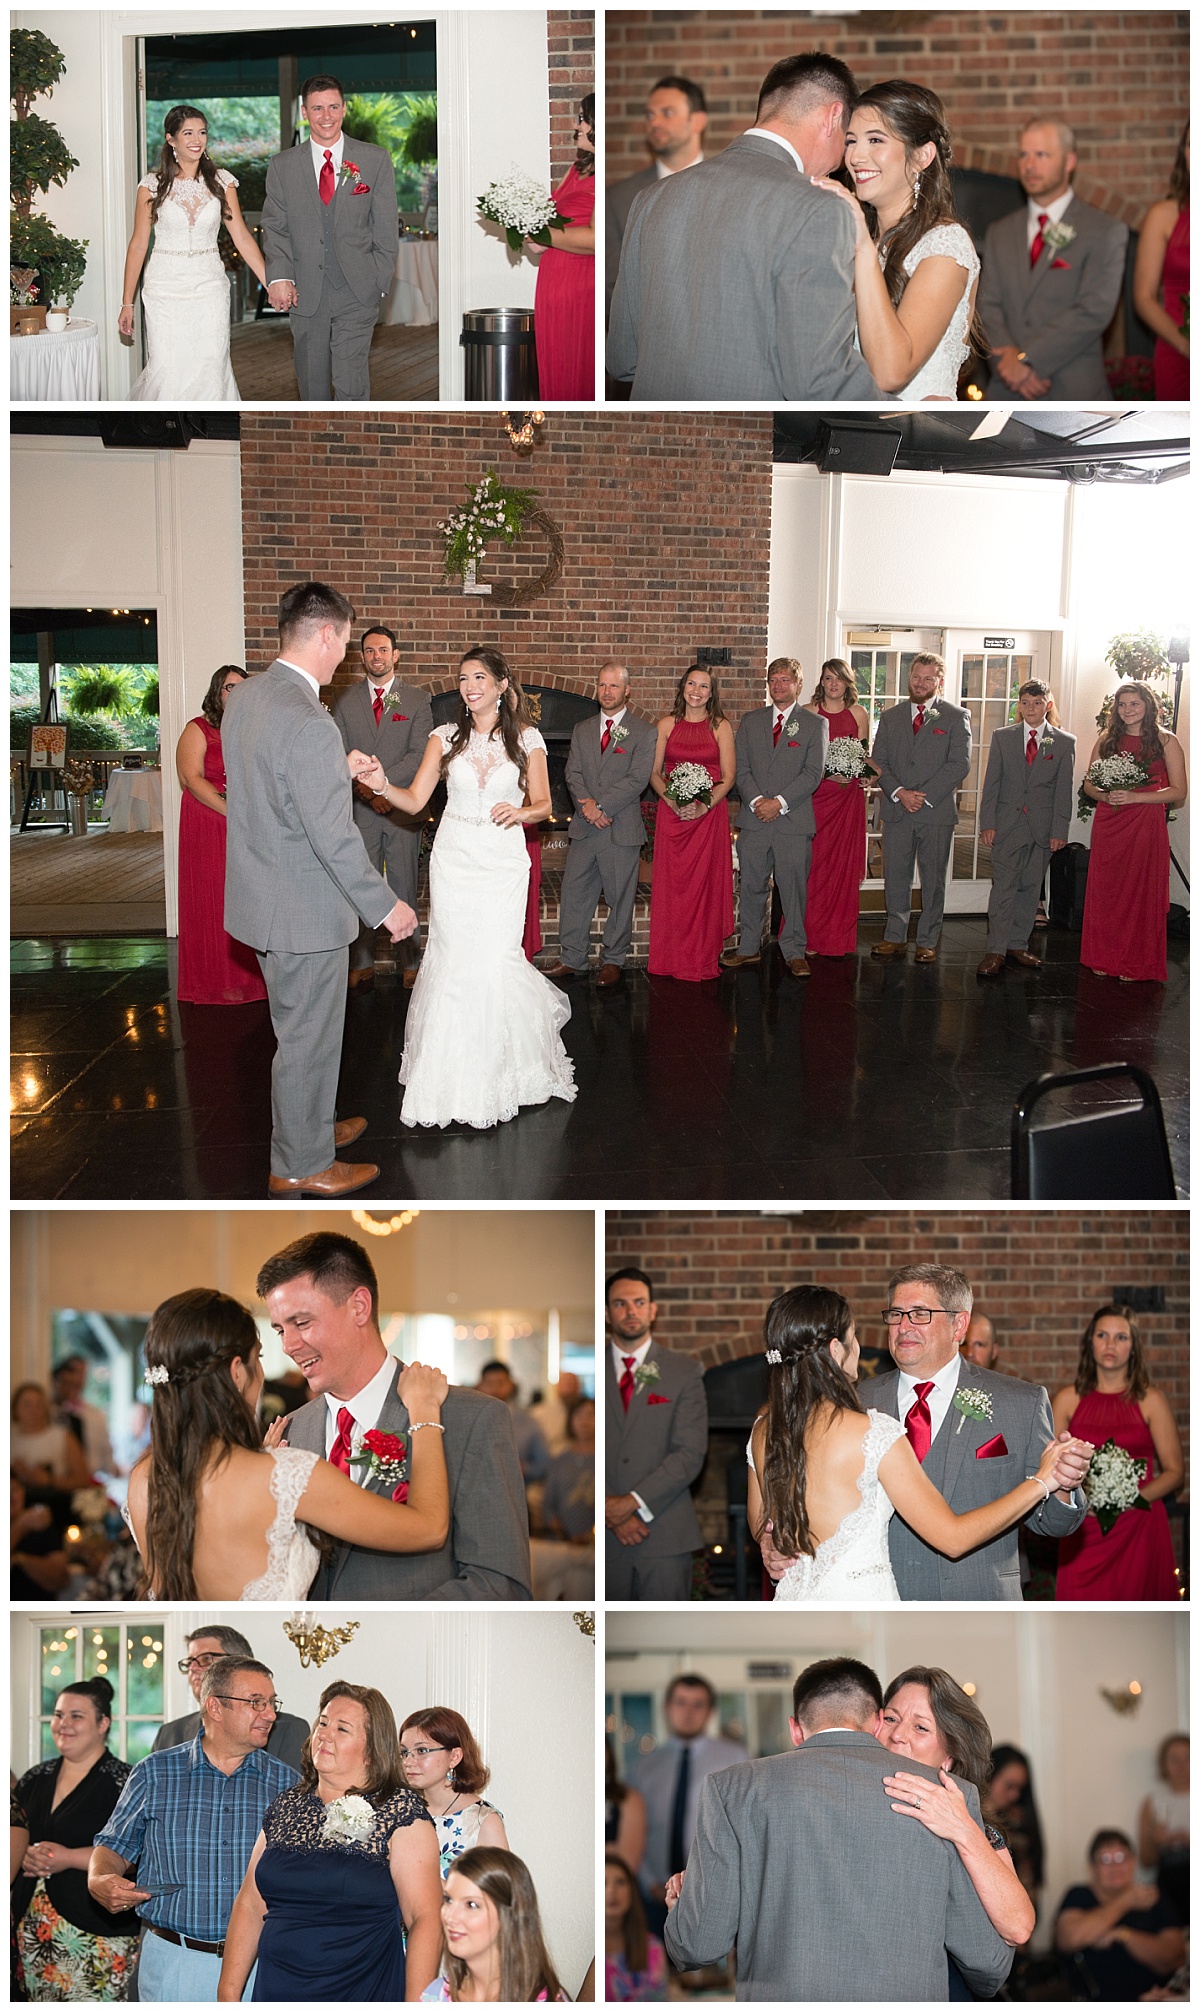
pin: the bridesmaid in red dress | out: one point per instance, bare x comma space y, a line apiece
1113, 1398
214, 969
691, 887
564, 303
839, 853
531, 941
1162, 278
1125, 909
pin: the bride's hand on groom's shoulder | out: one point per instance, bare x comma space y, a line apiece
276, 1433
421, 1390
861, 230
674, 1888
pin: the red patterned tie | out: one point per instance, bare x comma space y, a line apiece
339, 1452
918, 719
378, 707
325, 178
1031, 747
626, 1384
606, 736
918, 1424
1035, 249
777, 730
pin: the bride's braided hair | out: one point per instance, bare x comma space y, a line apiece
197, 1417
805, 1380
166, 167
512, 719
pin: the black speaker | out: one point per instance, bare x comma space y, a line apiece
857, 450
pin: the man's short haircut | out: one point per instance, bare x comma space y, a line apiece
337, 1266
309, 606
379, 629
930, 657
691, 1681
1066, 134
802, 83
312, 84
218, 1676
691, 91
232, 1643
68, 1362
614, 664
837, 1685
496, 1364
951, 1287
628, 1271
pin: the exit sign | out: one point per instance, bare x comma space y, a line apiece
999, 642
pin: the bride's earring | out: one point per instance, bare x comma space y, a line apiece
916, 188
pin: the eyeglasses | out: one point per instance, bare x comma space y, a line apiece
189, 1663
257, 1704
1112, 1858
920, 1316
421, 1753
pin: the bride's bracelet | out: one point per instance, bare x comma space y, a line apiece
423, 1422
1041, 1484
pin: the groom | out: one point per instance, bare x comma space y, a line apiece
827, 1892
737, 278
323, 1298
330, 236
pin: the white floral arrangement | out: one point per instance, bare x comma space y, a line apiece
348, 1820
1113, 1484
1119, 771
688, 782
522, 208
845, 759
490, 512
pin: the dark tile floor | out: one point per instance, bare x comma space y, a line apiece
868, 1082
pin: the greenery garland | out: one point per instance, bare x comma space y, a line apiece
493, 512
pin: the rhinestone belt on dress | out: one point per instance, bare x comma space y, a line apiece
168, 251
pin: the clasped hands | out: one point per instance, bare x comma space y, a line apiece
282, 295
590, 809
621, 1517
400, 920
1020, 376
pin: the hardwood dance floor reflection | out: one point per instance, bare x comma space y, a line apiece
404, 363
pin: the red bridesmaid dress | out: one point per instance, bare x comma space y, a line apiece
564, 303
1172, 372
531, 941
1128, 885
214, 968
839, 855
691, 887
1135, 1560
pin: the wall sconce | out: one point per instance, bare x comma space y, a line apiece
383, 1226
315, 1644
523, 430
1125, 1702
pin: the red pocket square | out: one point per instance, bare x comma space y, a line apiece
992, 1449
401, 717
654, 1398
1060, 265
362, 188
940, 730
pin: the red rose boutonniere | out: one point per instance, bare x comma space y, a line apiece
385, 1456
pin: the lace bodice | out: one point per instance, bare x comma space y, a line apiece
481, 775
299, 1821
938, 378
292, 1557
853, 1564
189, 219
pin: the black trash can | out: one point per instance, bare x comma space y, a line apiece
500, 361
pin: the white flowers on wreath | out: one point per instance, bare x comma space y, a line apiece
350, 1819
491, 512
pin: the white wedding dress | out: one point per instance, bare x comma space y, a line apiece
938, 378
853, 1564
483, 1028
292, 1557
185, 294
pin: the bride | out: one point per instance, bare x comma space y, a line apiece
185, 200
213, 1506
828, 1474
915, 268
483, 1025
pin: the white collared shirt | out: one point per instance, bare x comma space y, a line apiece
1043, 732
620, 1357
661, 169
611, 719
764, 133
777, 719
364, 1408
336, 151
303, 673
380, 691
1052, 211
945, 1383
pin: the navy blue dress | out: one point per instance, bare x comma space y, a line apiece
333, 1928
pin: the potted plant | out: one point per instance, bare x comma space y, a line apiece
49, 265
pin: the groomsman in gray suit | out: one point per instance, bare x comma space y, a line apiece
781, 752
608, 767
676, 116
737, 278
923, 752
1024, 816
330, 237
323, 1299
391, 721
656, 1441
1051, 280
297, 881
828, 1892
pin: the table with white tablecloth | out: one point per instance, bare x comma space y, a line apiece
133, 800
414, 295
56, 364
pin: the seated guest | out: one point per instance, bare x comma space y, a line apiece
496, 1380
551, 1412
1126, 1937
494, 1949
1164, 1824
442, 1762
624, 1814
37, 1562
635, 1962
569, 1501
202, 1648
70, 1947
44, 1454
86, 1421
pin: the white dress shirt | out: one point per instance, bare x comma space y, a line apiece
380, 691
945, 1383
620, 1356
779, 717
303, 673
1052, 211
764, 133
364, 1408
661, 169
611, 719
336, 152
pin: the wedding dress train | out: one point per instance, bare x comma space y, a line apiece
853, 1564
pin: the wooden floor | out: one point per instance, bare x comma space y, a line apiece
110, 882
404, 362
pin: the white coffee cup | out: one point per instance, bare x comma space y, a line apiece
56, 319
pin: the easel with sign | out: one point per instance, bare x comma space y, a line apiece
44, 759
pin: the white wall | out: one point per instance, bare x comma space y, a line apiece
539, 1744
161, 529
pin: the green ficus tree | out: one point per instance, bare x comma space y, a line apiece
39, 159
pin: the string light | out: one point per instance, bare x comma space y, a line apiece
375, 1227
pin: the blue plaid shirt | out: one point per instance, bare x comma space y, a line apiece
188, 1827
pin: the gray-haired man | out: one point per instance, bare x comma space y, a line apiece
202, 1648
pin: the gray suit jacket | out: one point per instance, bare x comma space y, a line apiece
828, 1893
1058, 310
398, 741
365, 229
618, 201
485, 1557
1021, 1417
656, 1449
737, 281
1022, 801
296, 875
288, 1736
792, 770
655, 1775
936, 760
615, 779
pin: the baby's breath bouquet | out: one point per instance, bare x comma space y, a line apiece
490, 512
1117, 771
522, 208
688, 782
1113, 1483
846, 760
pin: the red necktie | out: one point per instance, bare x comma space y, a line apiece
325, 178
777, 730
918, 719
918, 1424
339, 1452
378, 708
606, 736
1035, 249
626, 1384
1031, 747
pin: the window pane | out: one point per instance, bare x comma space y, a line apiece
59, 1649
731, 1716
972, 677
139, 1738
144, 1679
997, 677
101, 1657
49, 1750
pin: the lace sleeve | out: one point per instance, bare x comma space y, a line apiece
444, 734
880, 1437
944, 241
225, 180
531, 741
149, 181
401, 1810
289, 1479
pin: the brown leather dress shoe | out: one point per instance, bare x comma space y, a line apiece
561, 972
799, 967
991, 966
608, 976
925, 953
342, 1178
886, 949
732, 960
1026, 959
362, 978
347, 1130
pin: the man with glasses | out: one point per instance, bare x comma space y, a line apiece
187, 1820
204, 1648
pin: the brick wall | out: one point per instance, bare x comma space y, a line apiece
1039, 1274
666, 526
1121, 78
571, 47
